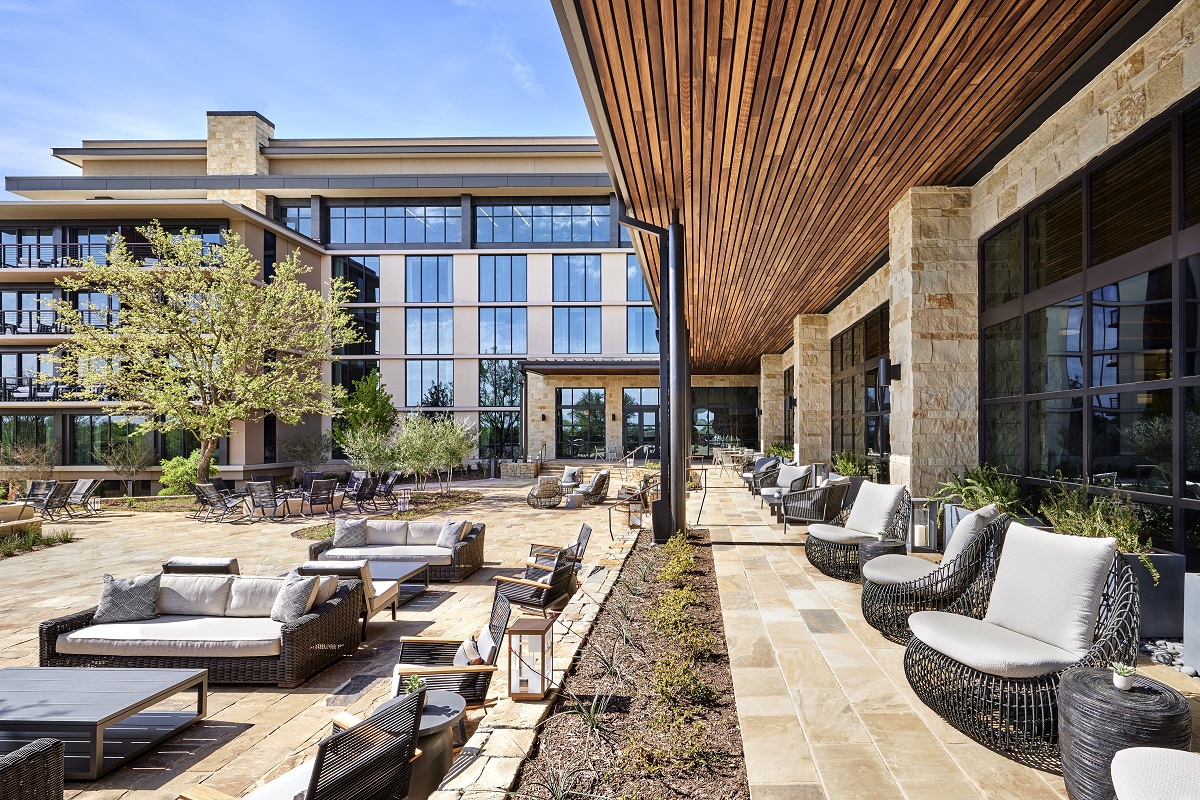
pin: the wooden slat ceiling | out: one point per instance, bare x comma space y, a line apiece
784, 132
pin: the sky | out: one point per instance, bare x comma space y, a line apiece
122, 69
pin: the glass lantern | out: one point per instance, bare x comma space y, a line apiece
403, 499
635, 516
923, 525
530, 658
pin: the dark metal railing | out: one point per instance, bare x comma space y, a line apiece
27, 389
41, 323
61, 256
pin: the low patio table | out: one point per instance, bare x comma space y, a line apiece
775, 506
105, 717
411, 577
874, 548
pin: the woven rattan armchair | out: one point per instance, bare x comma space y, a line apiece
887, 605
595, 491
543, 586
765, 479
544, 493
833, 547
789, 478
821, 504
1017, 715
33, 772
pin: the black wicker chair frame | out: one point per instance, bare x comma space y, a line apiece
765, 479
595, 491
543, 586
544, 493
764, 464
1018, 717
311, 643
33, 772
821, 504
840, 560
465, 559
887, 606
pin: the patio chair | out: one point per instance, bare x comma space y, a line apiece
320, 494
306, 480
595, 491
789, 478
370, 760
82, 494
386, 490
224, 488
766, 478
544, 585
545, 493
261, 497
896, 586
199, 565
356, 477
1155, 773
33, 772
820, 504
990, 664
363, 494
219, 504
570, 479
750, 472
833, 547
544, 554
39, 489
377, 595
54, 503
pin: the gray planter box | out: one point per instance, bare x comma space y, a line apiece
1191, 619
1161, 606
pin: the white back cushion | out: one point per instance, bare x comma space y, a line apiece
788, 474
1048, 586
252, 597
967, 531
387, 531
874, 507
425, 533
198, 595
487, 646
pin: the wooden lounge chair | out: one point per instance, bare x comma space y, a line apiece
544, 586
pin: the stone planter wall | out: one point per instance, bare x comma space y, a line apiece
519, 469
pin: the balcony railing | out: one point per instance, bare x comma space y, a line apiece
45, 323
60, 256
27, 389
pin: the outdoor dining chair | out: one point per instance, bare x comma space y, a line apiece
543, 586
262, 497
219, 504
320, 494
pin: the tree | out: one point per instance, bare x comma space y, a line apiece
453, 441
202, 341
418, 447
369, 404
370, 448
439, 395
127, 458
25, 462
308, 450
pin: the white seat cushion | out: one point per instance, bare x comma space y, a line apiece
894, 568
287, 786
832, 533
1048, 586
432, 554
874, 507
383, 593
1156, 773
967, 531
986, 647
198, 595
175, 635
387, 531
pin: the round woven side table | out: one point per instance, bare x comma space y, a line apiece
1096, 719
874, 548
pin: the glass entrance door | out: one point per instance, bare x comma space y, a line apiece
640, 408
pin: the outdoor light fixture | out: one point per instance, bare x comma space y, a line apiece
635, 516
614, 416
888, 372
543, 417
789, 404
923, 524
530, 658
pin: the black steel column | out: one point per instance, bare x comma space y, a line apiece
664, 380
679, 378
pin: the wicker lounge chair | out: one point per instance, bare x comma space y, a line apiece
833, 547
56, 502
543, 586
81, 494
767, 478
595, 491
544, 493
895, 586
821, 504
219, 504
990, 664
33, 772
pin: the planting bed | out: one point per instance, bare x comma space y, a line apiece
647, 710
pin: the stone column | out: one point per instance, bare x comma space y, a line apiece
235, 142
810, 332
770, 400
934, 336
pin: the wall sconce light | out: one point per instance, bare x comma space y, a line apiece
543, 417
789, 404
614, 417
888, 371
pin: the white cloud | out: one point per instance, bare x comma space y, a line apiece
522, 71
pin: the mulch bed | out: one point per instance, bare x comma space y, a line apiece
182, 504
615, 735
421, 504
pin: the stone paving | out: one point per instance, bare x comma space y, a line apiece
254, 733
823, 703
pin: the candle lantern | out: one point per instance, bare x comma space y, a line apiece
635, 515
923, 524
403, 499
530, 658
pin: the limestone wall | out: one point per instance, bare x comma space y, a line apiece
810, 336
770, 401
234, 146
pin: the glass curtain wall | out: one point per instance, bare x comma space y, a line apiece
862, 396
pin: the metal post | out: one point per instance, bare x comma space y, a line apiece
679, 377
664, 381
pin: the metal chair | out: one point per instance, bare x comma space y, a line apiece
261, 497
544, 554
39, 489
219, 504
385, 492
320, 494
224, 488
82, 494
55, 502
363, 494
306, 480
821, 504
543, 586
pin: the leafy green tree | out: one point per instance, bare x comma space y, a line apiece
367, 447
453, 441
202, 341
368, 405
308, 450
418, 447
180, 475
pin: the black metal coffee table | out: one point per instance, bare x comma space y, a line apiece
105, 717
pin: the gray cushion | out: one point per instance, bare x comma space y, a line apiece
227, 565
124, 599
874, 507
349, 532
787, 474
295, 598
439, 556
425, 533
571, 474
252, 597
888, 570
291, 785
832, 533
1156, 773
385, 531
1048, 586
452, 533
967, 531
986, 647
202, 595
177, 636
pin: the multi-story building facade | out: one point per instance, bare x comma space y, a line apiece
492, 279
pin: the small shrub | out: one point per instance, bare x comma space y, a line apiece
1071, 511
60, 536
677, 681
848, 464
179, 474
670, 611
980, 486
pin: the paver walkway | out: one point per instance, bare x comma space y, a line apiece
824, 706
256, 732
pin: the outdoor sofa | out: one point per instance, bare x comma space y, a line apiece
221, 623
399, 540
33, 772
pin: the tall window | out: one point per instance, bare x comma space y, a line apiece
363, 272
724, 417
577, 279
427, 279
789, 405
642, 329
502, 330
26, 430
542, 223
429, 383
640, 410
577, 329
499, 387
429, 331
395, 224
636, 290
27, 311
502, 279
862, 396
26, 247
579, 422
93, 435
349, 370
180, 443
367, 322
298, 218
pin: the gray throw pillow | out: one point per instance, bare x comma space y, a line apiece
295, 598
451, 534
350, 533
128, 599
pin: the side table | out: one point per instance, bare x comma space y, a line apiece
1096, 719
874, 548
574, 500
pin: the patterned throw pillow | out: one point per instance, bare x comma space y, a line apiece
128, 599
295, 598
468, 654
452, 533
350, 533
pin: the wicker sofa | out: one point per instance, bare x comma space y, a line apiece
214, 627
397, 540
33, 772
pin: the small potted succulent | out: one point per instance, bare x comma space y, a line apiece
1123, 675
415, 683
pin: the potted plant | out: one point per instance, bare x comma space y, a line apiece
1160, 574
1123, 675
971, 490
781, 451
852, 466
415, 683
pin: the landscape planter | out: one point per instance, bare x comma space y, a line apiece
1161, 605
1191, 619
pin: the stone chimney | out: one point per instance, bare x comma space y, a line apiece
235, 142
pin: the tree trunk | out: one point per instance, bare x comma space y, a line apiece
207, 448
